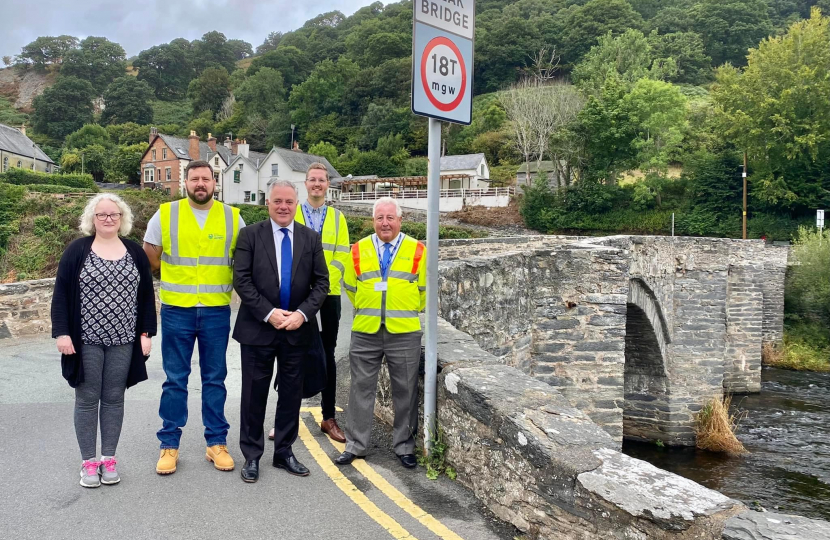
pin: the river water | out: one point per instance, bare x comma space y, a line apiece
786, 429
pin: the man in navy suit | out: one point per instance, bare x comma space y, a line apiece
281, 277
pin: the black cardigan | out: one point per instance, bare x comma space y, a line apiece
66, 309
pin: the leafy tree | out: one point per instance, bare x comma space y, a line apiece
9, 115
270, 43
583, 25
777, 108
129, 133
324, 149
125, 163
658, 111
97, 60
203, 124
502, 47
64, 107
209, 91
8, 60
88, 135
213, 51
45, 51
127, 100
168, 69
382, 119
241, 49
670, 20
291, 62
262, 93
730, 27
325, 91
688, 52
93, 159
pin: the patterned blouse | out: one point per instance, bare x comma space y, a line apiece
109, 290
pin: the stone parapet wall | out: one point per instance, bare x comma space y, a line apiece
776, 259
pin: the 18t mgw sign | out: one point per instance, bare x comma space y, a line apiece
442, 59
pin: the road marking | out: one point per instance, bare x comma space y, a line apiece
435, 526
346, 486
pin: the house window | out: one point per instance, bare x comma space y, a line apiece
236, 177
253, 197
247, 196
275, 168
148, 176
19, 164
153, 154
167, 190
216, 161
216, 195
168, 174
164, 153
5, 164
482, 170
216, 176
48, 168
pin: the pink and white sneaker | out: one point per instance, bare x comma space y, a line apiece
89, 474
109, 474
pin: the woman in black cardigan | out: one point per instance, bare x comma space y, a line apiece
103, 316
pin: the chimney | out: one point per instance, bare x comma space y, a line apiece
234, 146
194, 146
243, 148
153, 133
227, 143
212, 142
296, 147
23, 129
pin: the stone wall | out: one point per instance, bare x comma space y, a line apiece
776, 259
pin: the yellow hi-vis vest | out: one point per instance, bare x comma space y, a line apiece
406, 283
335, 244
197, 264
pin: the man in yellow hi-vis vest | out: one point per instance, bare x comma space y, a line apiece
193, 240
386, 282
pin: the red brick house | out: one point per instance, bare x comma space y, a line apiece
163, 164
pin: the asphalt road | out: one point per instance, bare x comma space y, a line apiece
41, 497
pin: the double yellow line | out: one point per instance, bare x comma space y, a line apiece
359, 498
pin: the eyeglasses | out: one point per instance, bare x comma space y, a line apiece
113, 217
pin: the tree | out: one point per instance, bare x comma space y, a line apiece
778, 110
63, 108
263, 93
209, 91
45, 51
88, 135
688, 52
213, 51
270, 43
241, 49
125, 163
93, 159
324, 91
127, 100
128, 133
97, 60
657, 109
583, 25
8, 60
168, 69
730, 27
291, 62
324, 149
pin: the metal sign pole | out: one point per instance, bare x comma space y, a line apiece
433, 201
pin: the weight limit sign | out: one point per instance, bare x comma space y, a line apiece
442, 74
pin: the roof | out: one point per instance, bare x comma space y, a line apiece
299, 161
181, 148
461, 163
12, 140
544, 165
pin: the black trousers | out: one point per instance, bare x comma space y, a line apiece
257, 369
330, 321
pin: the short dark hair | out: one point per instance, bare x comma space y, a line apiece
197, 164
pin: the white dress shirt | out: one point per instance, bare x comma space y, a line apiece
278, 237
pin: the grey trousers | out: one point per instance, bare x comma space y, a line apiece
105, 380
403, 354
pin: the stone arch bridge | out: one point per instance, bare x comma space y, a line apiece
637, 332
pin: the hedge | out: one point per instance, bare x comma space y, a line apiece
52, 188
25, 177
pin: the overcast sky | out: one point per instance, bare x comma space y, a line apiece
140, 25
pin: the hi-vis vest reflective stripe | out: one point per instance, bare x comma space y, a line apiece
399, 305
335, 245
197, 264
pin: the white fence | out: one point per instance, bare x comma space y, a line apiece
450, 199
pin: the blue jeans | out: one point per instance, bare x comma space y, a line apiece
180, 329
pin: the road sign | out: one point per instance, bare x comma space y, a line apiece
820, 219
442, 59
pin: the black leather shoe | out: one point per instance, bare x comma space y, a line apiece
345, 458
408, 461
250, 472
291, 465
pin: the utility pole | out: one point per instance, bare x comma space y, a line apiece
744, 176
292, 137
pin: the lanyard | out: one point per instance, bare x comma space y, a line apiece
394, 249
310, 221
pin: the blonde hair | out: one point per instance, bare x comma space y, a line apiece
87, 225
317, 165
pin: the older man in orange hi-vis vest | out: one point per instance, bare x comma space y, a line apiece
386, 282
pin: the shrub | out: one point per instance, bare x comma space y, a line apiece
808, 278
52, 188
11, 199
24, 177
252, 213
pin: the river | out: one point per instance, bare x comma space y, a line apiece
786, 429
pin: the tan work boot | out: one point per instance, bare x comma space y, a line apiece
168, 459
220, 457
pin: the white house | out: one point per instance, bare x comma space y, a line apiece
248, 174
473, 166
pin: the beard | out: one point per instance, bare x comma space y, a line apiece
200, 196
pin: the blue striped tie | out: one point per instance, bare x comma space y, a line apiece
285, 270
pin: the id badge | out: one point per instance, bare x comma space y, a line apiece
381, 286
